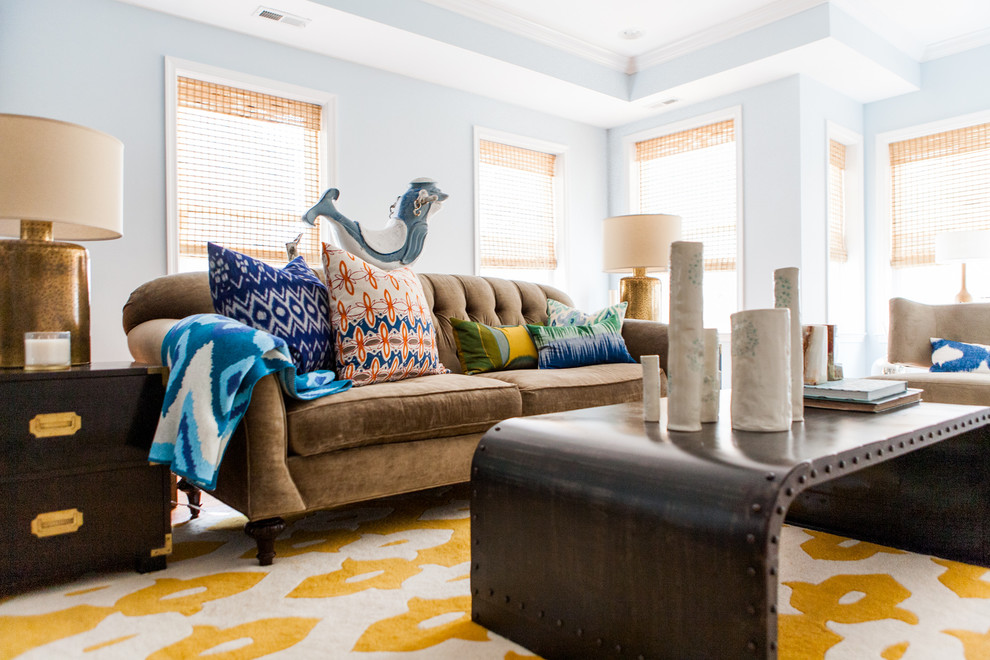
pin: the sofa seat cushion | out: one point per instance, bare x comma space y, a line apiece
953, 387
398, 411
555, 390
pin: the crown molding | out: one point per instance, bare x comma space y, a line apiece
757, 18
486, 12
956, 45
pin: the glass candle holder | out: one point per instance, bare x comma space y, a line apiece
47, 351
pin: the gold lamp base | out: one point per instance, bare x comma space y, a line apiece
964, 295
642, 294
44, 286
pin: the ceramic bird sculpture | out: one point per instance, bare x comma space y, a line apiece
292, 247
401, 241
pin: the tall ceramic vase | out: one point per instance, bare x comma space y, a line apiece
685, 356
711, 384
786, 290
761, 370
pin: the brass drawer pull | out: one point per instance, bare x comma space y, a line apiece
53, 523
51, 425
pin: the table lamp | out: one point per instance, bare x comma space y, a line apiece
57, 181
641, 244
962, 246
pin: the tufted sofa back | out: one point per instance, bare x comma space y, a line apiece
489, 300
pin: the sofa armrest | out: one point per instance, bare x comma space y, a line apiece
145, 340
255, 477
646, 338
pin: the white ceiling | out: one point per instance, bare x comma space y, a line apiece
913, 25
570, 57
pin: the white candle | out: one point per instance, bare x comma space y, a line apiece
47, 350
651, 387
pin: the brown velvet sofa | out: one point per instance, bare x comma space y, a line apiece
288, 457
913, 324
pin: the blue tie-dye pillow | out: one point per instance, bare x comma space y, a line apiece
560, 347
560, 314
948, 355
290, 303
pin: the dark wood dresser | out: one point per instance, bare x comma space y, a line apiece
77, 493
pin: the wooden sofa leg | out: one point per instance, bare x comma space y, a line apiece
193, 495
264, 533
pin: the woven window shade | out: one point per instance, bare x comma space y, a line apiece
518, 227
837, 202
692, 174
939, 183
248, 167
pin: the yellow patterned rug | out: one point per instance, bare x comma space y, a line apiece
389, 579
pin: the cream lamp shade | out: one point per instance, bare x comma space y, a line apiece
69, 175
960, 247
640, 244
57, 181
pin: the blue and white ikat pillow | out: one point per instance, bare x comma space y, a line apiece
289, 302
560, 314
948, 355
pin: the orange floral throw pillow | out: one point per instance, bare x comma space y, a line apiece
383, 329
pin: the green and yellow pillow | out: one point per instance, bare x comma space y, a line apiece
482, 348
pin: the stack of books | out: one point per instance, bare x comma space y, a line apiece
861, 394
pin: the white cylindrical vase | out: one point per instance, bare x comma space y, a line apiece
651, 387
786, 293
761, 370
685, 355
711, 384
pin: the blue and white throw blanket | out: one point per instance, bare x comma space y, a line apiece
214, 363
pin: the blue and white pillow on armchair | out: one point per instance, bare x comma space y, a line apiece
949, 355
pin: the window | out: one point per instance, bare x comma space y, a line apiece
844, 236
691, 172
518, 213
939, 181
837, 202
246, 163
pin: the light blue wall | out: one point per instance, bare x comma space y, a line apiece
101, 64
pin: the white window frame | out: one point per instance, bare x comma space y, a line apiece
631, 173
558, 277
879, 258
174, 68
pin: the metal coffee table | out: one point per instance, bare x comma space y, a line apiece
597, 535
